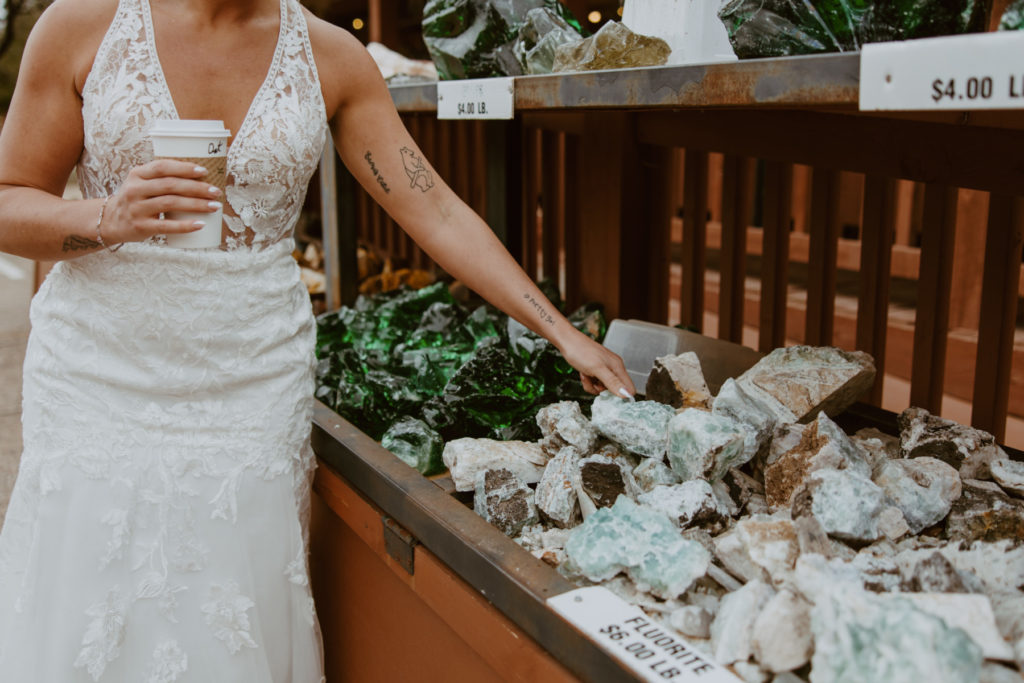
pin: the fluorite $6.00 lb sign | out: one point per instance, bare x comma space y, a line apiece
977, 71
650, 651
478, 98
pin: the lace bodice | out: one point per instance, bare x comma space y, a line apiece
272, 156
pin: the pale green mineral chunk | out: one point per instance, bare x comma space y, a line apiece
922, 488
651, 473
642, 542
614, 46
638, 426
757, 418
847, 504
703, 445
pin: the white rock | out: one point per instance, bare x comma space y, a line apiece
878, 446
1009, 474
922, 488
893, 524
772, 544
692, 503
467, 457
653, 472
732, 551
757, 419
997, 673
702, 445
691, 621
999, 565
968, 449
556, 492
786, 438
751, 672
565, 420
971, 613
782, 633
732, 630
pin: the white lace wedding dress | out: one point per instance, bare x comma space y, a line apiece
156, 529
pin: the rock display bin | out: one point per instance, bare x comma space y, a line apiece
844, 546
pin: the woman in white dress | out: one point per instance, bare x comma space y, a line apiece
156, 530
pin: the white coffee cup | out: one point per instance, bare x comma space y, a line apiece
204, 143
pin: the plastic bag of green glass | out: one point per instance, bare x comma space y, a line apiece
773, 28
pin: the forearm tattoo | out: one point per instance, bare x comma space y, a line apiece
376, 173
77, 243
419, 175
541, 311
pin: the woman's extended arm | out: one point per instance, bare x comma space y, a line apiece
380, 153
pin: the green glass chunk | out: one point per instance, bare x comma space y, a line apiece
416, 444
1013, 17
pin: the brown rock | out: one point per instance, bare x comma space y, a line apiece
984, 513
679, 382
603, 482
967, 449
936, 574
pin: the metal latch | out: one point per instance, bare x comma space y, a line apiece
399, 544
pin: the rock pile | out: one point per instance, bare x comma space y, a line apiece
754, 526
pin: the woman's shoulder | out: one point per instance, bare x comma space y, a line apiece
72, 30
344, 65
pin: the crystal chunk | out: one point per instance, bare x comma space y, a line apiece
679, 382
984, 513
782, 639
556, 492
465, 458
704, 445
692, 503
733, 629
416, 444
638, 426
967, 449
922, 488
847, 504
504, 500
614, 46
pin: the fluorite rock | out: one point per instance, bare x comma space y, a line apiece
703, 445
877, 446
984, 513
614, 46
759, 548
692, 503
736, 403
967, 449
652, 472
922, 488
996, 566
692, 621
785, 438
846, 503
638, 426
733, 629
823, 446
465, 458
798, 382
566, 420
602, 479
641, 542
556, 492
936, 574
812, 537
476, 38
1009, 474
992, 672
504, 500
679, 382
970, 613
547, 545
862, 638
782, 638
416, 444
543, 32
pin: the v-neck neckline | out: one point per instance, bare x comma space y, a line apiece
155, 56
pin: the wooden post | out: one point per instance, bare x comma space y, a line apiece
736, 204
695, 212
821, 266
877, 235
778, 204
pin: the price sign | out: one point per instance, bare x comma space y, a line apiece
978, 71
648, 649
480, 98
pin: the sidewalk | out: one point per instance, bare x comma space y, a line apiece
16, 277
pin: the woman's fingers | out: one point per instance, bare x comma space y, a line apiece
600, 369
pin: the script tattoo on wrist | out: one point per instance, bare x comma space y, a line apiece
419, 175
376, 173
78, 243
541, 311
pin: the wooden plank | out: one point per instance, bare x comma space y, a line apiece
822, 264
551, 203
736, 205
646, 252
1003, 246
931, 325
695, 212
877, 234
778, 212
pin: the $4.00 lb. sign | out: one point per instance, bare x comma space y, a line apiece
480, 98
979, 71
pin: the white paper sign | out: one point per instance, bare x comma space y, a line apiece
978, 71
480, 98
652, 652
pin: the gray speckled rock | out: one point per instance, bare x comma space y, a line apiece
967, 449
566, 420
505, 501
733, 629
651, 473
702, 445
984, 513
692, 621
877, 446
798, 382
970, 613
935, 574
692, 503
922, 488
1009, 474
465, 458
823, 446
846, 503
734, 402
782, 633
556, 492
638, 426
678, 381
997, 566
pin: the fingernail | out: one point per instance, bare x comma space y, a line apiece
214, 190
625, 394
199, 169
198, 224
214, 205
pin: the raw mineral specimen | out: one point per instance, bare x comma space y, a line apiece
704, 445
798, 382
416, 444
614, 46
782, 638
638, 426
543, 32
652, 472
679, 382
936, 574
602, 479
823, 445
922, 488
466, 457
556, 492
770, 543
1009, 474
640, 541
545, 544
967, 449
733, 629
786, 438
733, 401
692, 503
970, 613
877, 446
984, 513
504, 500
691, 621
846, 503
566, 420
863, 638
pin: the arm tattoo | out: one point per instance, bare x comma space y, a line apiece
419, 175
77, 242
376, 173
541, 311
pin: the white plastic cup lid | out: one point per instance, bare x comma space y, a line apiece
189, 128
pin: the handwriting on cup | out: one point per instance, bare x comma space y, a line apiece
215, 148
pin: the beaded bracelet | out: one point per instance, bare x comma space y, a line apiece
99, 222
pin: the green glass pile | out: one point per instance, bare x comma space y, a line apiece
465, 373
773, 28
1013, 17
